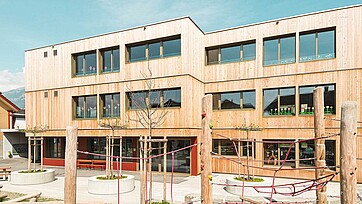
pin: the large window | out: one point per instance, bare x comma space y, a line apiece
85, 63
111, 105
231, 53
275, 152
234, 100
85, 106
306, 99
98, 146
110, 60
279, 101
226, 147
55, 147
317, 45
279, 50
154, 99
155, 49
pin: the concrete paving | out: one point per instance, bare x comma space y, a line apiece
183, 185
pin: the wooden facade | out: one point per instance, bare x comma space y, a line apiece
190, 72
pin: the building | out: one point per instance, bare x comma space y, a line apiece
12, 119
261, 74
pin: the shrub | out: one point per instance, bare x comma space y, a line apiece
33, 171
114, 177
240, 178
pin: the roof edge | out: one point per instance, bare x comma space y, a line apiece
11, 104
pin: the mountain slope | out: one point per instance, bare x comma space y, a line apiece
16, 96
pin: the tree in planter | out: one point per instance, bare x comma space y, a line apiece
35, 130
248, 129
149, 113
113, 124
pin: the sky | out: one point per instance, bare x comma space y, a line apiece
27, 24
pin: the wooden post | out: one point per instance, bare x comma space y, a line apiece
164, 168
348, 149
70, 180
206, 163
29, 154
41, 153
320, 150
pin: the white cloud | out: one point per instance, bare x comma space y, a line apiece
11, 80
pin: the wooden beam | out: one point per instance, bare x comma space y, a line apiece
70, 180
348, 147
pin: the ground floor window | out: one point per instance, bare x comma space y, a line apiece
274, 152
306, 153
226, 147
127, 149
55, 147
98, 146
331, 153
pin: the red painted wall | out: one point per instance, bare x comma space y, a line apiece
194, 157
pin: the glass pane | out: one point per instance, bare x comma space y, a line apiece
270, 52
230, 100
230, 54
246, 148
116, 105
306, 100
79, 107
331, 153
249, 99
172, 47
115, 58
137, 100
287, 101
283, 154
326, 45
154, 50
215, 146
271, 102
181, 158
107, 105
79, 65
249, 51
212, 56
306, 154
91, 63
270, 153
91, 106
172, 98
287, 50
155, 99
106, 61
307, 47
137, 53
215, 101
227, 147
329, 99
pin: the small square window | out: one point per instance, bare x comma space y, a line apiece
45, 94
55, 93
55, 52
45, 54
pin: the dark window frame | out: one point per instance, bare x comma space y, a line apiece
161, 102
217, 99
279, 49
84, 114
242, 148
84, 63
112, 106
112, 68
328, 110
280, 112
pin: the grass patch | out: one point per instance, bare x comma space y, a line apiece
114, 177
13, 195
33, 171
161, 202
250, 179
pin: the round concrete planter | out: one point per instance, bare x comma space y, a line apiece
108, 187
236, 190
32, 178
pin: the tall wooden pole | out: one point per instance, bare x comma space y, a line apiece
320, 150
70, 180
164, 167
34, 152
348, 149
206, 163
142, 181
29, 154
41, 153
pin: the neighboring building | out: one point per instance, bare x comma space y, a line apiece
11, 120
260, 74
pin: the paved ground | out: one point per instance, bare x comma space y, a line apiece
182, 186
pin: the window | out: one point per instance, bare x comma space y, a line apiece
154, 99
55, 147
55, 93
279, 50
279, 101
98, 146
234, 100
127, 149
306, 99
275, 152
331, 153
306, 153
45, 94
110, 60
55, 52
85, 64
317, 45
155, 49
111, 105
231, 53
45, 54
226, 147
85, 106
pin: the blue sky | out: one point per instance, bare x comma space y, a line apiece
27, 24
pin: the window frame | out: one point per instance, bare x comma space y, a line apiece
241, 96
240, 146
278, 102
279, 49
111, 49
84, 71
278, 158
333, 109
102, 104
84, 107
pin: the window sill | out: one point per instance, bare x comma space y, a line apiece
85, 75
145, 60
277, 116
234, 109
221, 63
317, 60
115, 117
165, 108
80, 119
279, 64
110, 72
310, 115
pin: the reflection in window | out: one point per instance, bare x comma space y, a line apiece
212, 56
306, 99
55, 147
306, 153
85, 64
137, 53
111, 105
274, 153
279, 101
85, 106
234, 100
155, 99
249, 51
98, 146
172, 48
172, 98
110, 60
323, 40
230, 54
154, 50
226, 147
331, 153
279, 51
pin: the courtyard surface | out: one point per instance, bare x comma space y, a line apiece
182, 185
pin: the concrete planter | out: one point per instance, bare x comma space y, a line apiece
32, 178
236, 190
108, 187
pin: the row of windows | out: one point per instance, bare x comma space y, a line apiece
313, 45
86, 106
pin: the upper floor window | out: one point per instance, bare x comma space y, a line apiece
279, 101
111, 105
306, 99
234, 100
85, 63
279, 50
233, 53
155, 49
110, 60
154, 99
85, 106
317, 45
